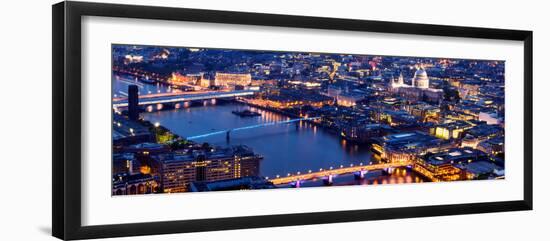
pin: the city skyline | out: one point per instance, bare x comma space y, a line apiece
202, 119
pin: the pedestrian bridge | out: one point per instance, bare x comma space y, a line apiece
227, 131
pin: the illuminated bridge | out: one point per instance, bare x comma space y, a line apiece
328, 174
248, 127
165, 98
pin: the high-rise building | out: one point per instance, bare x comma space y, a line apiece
178, 170
133, 102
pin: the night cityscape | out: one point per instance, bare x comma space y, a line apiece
203, 119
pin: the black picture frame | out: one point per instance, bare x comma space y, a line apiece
66, 47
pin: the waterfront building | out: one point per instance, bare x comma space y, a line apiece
243, 183
451, 165
287, 98
146, 148
178, 170
405, 147
133, 102
204, 83
365, 133
127, 132
188, 82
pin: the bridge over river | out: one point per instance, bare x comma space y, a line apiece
166, 98
228, 131
327, 175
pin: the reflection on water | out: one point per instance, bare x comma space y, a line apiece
397, 176
293, 147
286, 148
121, 82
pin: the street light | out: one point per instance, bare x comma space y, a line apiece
157, 124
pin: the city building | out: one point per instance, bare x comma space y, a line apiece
178, 170
445, 126
131, 184
365, 133
420, 79
493, 145
147, 148
243, 183
349, 99
124, 163
419, 90
479, 133
451, 130
396, 118
288, 98
482, 170
231, 80
405, 147
469, 88
492, 118
453, 164
133, 102
127, 132
188, 82
425, 112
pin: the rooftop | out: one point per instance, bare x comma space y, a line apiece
216, 153
409, 140
232, 184
455, 155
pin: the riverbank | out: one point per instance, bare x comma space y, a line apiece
288, 114
286, 148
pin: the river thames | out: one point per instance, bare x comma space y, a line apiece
286, 148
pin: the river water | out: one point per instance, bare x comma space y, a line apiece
286, 148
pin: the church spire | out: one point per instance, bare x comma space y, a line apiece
400, 80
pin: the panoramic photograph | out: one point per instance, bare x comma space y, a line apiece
192, 119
